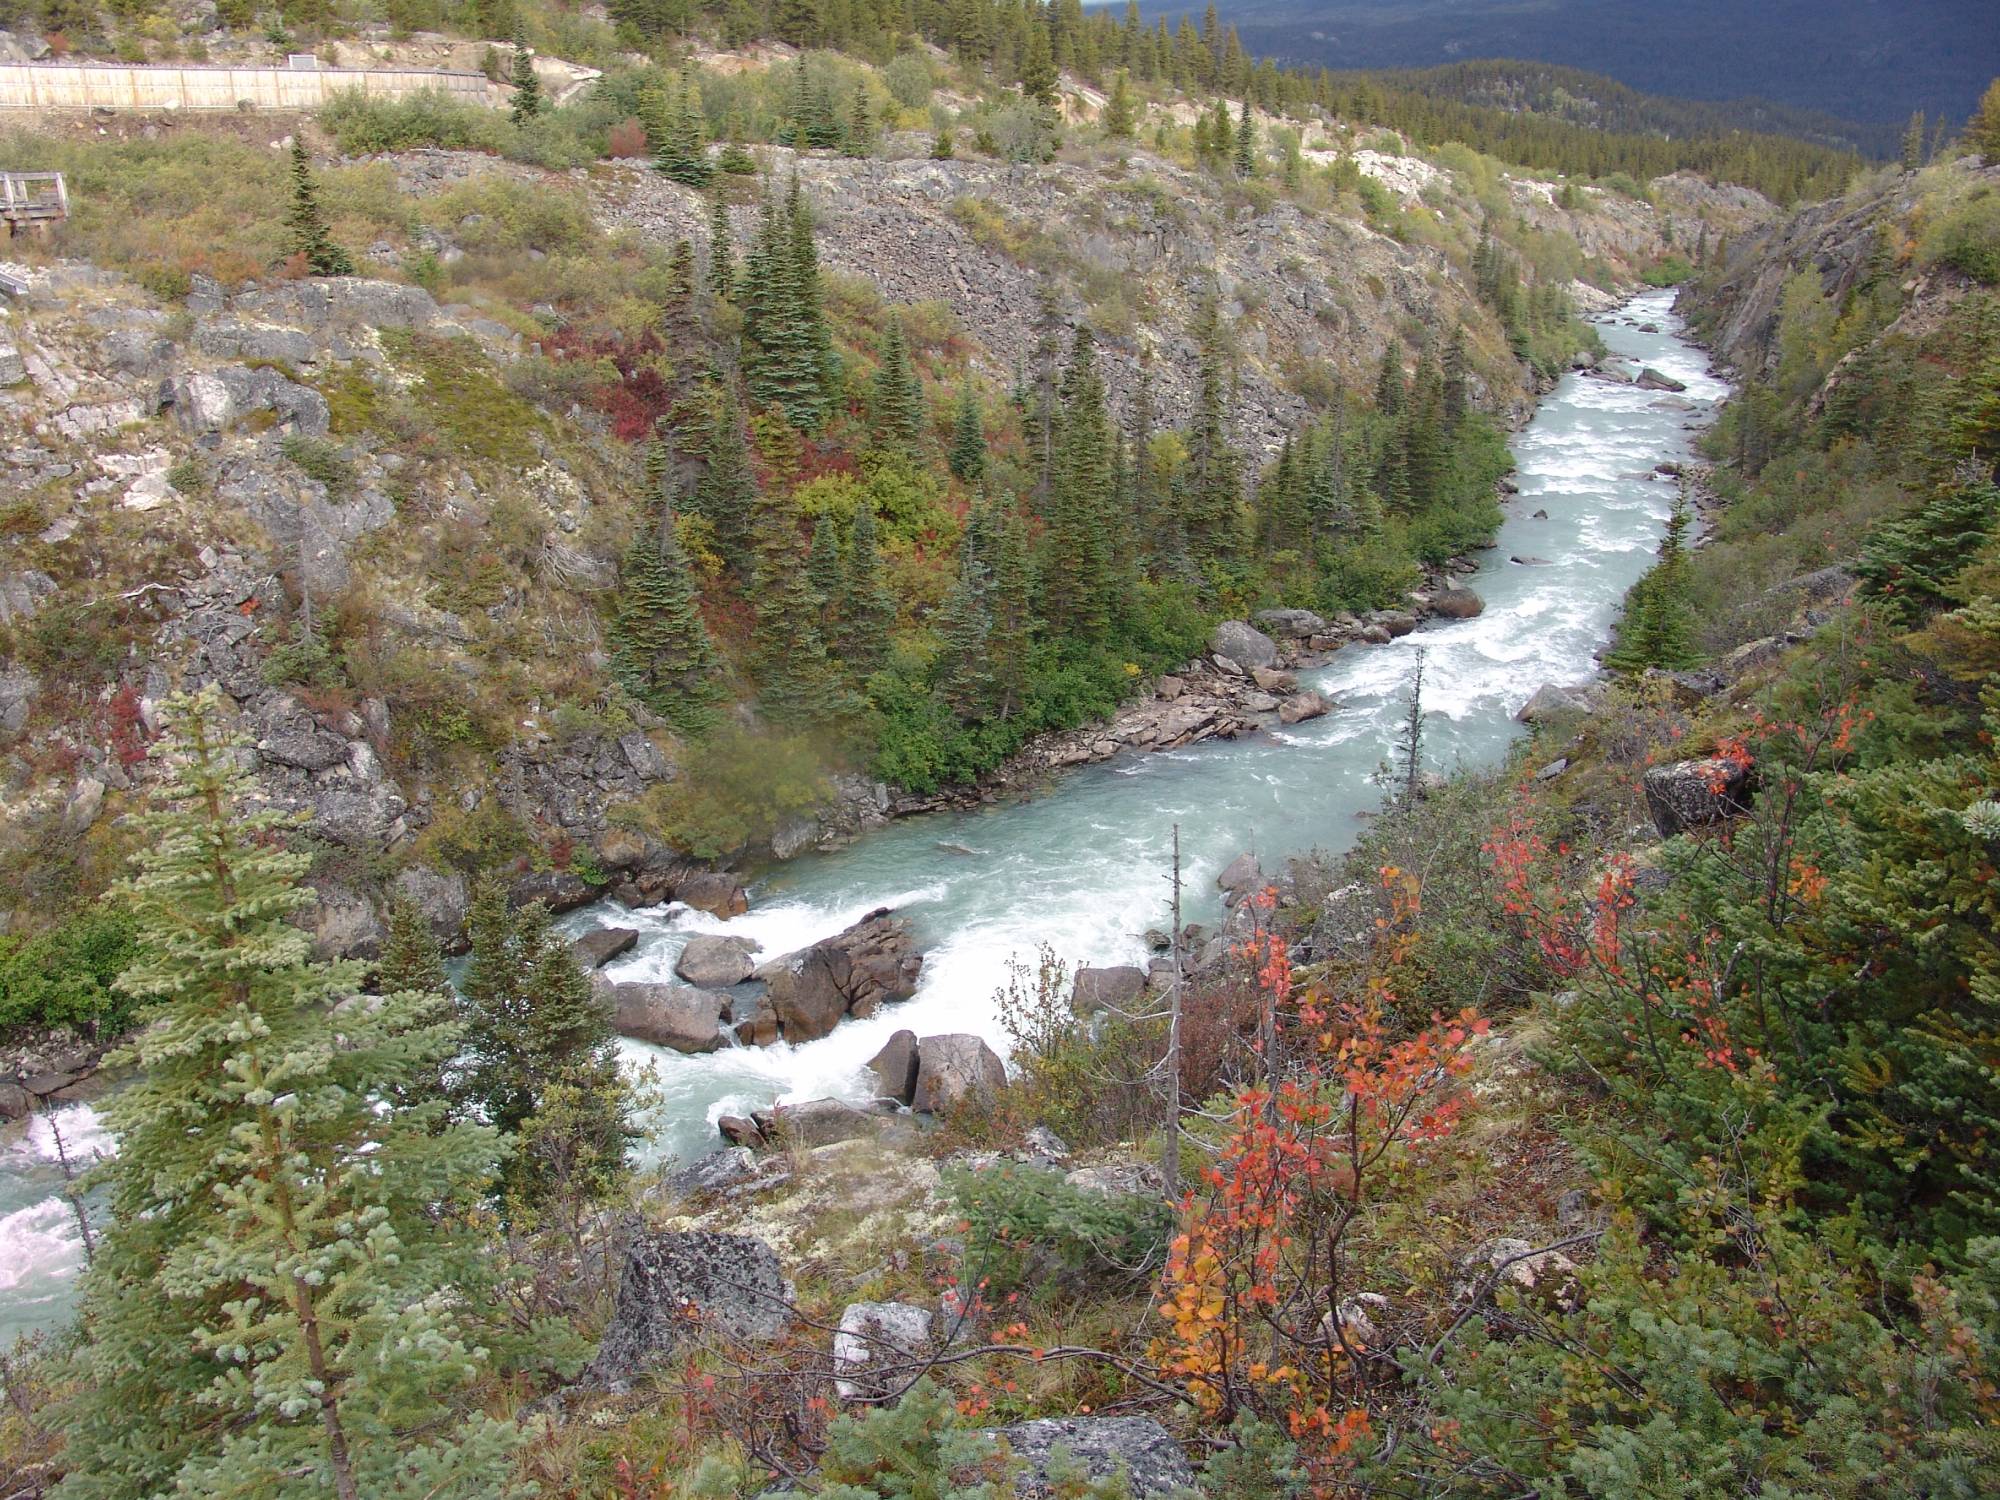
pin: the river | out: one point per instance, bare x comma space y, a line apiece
1084, 866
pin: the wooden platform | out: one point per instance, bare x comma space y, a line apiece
32, 198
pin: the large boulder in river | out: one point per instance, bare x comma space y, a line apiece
1651, 379
678, 1286
850, 974
821, 1122
667, 1015
1690, 794
954, 1068
1243, 644
1548, 701
1303, 706
714, 891
1458, 604
716, 962
1116, 987
1137, 1447
600, 945
895, 1068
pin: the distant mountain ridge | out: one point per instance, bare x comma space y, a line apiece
1868, 60
1603, 103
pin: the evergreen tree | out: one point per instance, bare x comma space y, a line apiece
968, 440
1041, 408
1119, 121
1038, 68
1081, 532
896, 403
661, 651
721, 251
682, 152
965, 626
1913, 143
867, 612
726, 494
527, 87
859, 140
277, 1305
1658, 627
1246, 143
305, 221
786, 348
823, 565
796, 682
1454, 400
533, 1028
1982, 132
1212, 483
1013, 621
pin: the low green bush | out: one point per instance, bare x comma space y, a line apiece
1028, 1226
64, 976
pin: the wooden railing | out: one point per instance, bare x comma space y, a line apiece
33, 197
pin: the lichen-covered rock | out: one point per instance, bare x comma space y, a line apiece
878, 1348
712, 1173
1137, 1447
441, 895
1458, 604
955, 1068
1294, 624
558, 890
1241, 874
1547, 701
1690, 794
677, 1286
716, 962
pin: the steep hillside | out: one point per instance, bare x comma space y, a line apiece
394, 515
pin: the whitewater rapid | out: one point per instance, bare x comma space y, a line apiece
1083, 868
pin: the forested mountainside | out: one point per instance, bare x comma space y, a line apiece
1851, 59
416, 520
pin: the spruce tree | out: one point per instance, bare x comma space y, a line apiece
682, 152
1013, 620
1081, 532
721, 251
796, 682
1211, 481
1454, 400
527, 87
823, 564
1658, 627
896, 404
305, 221
277, 1306
1246, 143
786, 347
1913, 142
1119, 121
964, 627
859, 138
735, 159
867, 611
660, 649
968, 440
726, 493
1038, 68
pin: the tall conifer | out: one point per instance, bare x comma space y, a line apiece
276, 1307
